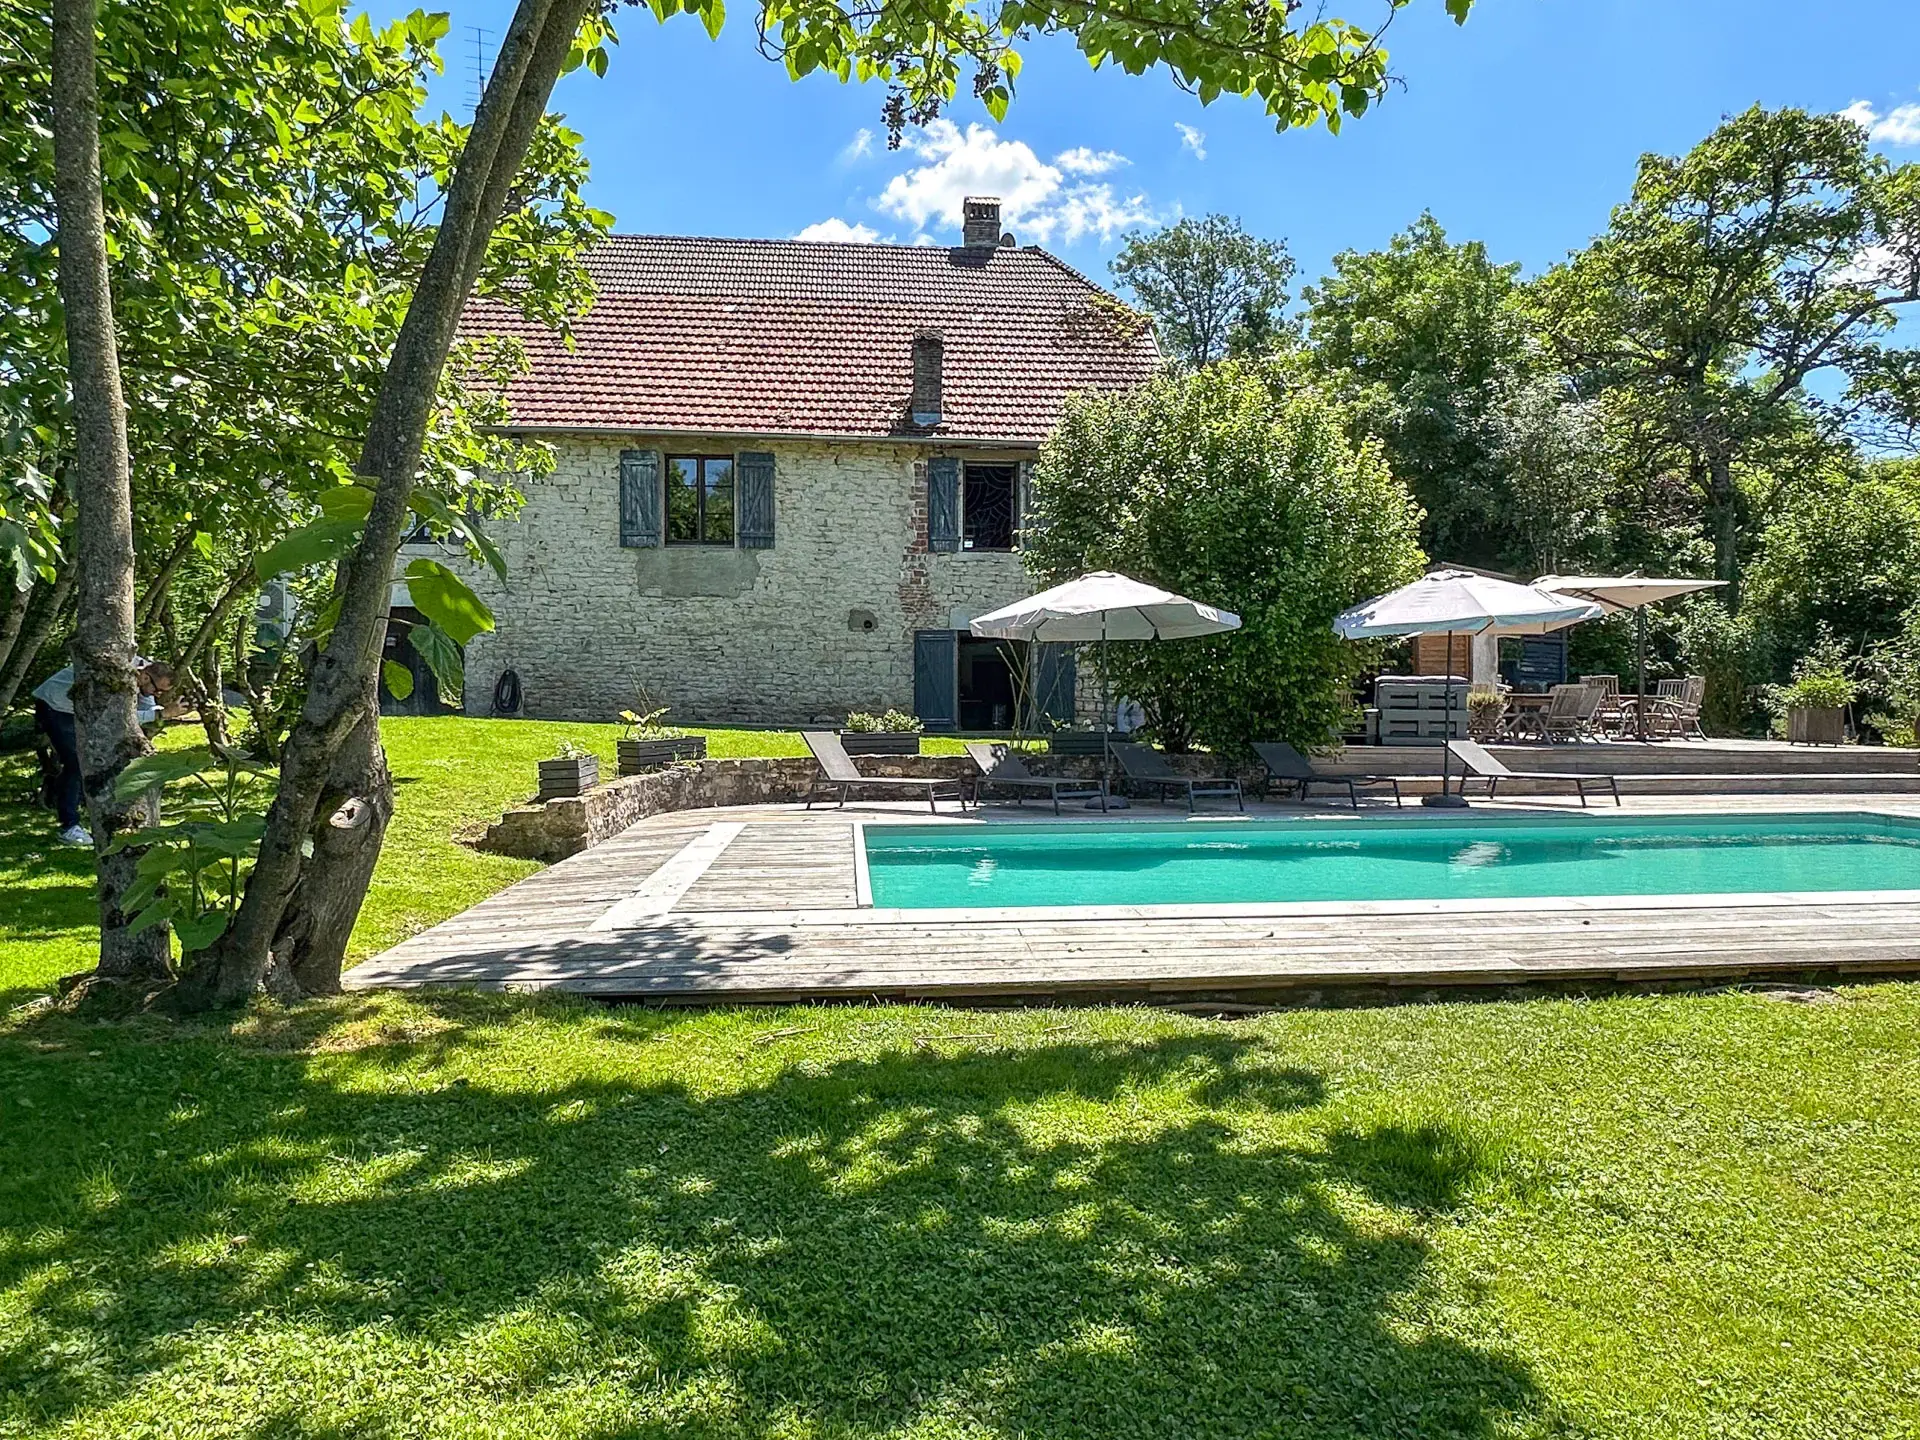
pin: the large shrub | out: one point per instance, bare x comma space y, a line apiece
1227, 487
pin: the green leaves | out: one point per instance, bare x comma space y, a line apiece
320, 543
192, 868
442, 655
399, 679
445, 599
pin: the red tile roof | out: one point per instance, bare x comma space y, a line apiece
745, 337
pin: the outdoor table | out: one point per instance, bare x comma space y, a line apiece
1523, 716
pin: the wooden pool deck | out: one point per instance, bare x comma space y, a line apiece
763, 905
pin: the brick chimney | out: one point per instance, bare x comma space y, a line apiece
980, 222
928, 352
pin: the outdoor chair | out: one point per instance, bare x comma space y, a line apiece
1562, 719
1607, 709
1481, 764
1150, 768
1002, 766
839, 773
1296, 772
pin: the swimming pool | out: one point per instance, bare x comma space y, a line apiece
1483, 857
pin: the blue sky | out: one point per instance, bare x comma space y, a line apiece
1520, 128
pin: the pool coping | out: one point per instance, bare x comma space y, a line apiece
1435, 905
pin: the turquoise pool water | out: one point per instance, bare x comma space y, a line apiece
916, 867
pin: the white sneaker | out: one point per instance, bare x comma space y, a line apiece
76, 835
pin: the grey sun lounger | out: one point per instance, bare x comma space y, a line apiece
1149, 767
1295, 771
1482, 765
1001, 766
839, 773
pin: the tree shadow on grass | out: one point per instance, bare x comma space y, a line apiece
1074, 1239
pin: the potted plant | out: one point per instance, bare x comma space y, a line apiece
1484, 709
1814, 706
894, 733
573, 770
649, 743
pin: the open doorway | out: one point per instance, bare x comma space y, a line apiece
988, 692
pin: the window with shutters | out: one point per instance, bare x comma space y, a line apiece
699, 499
990, 507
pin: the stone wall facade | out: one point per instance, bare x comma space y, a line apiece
820, 624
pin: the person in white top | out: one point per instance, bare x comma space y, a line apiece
53, 710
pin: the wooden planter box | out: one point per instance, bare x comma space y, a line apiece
638, 756
561, 778
880, 742
1817, 725
1077, 742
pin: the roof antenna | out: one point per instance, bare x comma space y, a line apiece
480, 38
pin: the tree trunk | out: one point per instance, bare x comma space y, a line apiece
341, 687
33, 638
352, 822
1723, 512
17, 605
105, 688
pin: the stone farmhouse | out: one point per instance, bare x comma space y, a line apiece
789, 474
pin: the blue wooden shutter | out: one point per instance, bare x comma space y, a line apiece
1053, 683
753, 500
943, 503
639, 499
936, 678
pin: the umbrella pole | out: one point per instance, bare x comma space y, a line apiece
1446, 798
1640, 705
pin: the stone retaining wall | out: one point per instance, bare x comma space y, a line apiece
560, 828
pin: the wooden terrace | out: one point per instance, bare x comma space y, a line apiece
764, 904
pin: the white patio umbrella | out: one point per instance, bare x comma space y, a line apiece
1635, 592
1104, 606
1460, 602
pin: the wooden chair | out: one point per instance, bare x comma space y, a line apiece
1607, 709
1563, 718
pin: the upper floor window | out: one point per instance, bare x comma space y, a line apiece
699, 499
990, 509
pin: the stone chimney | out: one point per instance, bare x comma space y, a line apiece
980, 222
928, 352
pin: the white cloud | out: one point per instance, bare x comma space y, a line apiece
1036, 199
1898, 126
858, 148
1082, 161
1193, 139
834, 228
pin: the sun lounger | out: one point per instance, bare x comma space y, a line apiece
1001, 766
1482, 765
839, 773
1296, 772
1150, 768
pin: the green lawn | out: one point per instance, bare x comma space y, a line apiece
507, 1216
452, 776
1677, 1216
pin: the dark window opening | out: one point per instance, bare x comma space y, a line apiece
990, 507
700, 500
